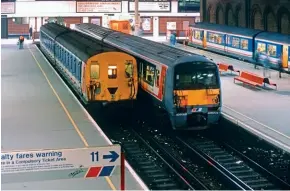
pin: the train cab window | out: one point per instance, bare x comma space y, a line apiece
129, 69
157, 78
95, 70
191, 77
236, 42
149, 77
244, 44
261, 47
272, 50
112, 72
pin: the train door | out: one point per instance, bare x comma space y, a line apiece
204, 34
285, 56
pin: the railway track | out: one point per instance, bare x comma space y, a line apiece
150, 164
237, 170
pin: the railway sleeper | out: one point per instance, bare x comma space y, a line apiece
233, 160
229, 163
249, 177
263, 186
167, 186
248, 171
222, 156
149, 167
255, 181
234, 167
216, 152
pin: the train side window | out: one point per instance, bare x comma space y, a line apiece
95, 71
80, 70
157, 78
244, 44
236, 42
74, 65
150, 74
112, 72
261, 47
272, 50
197, 34
77, 70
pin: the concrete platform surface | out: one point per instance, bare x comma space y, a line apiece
262, 111
33, 117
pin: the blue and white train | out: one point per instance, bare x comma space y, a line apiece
241, 43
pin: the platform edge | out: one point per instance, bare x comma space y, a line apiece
256, 132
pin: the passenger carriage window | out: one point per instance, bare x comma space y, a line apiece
261, 47
80, 70
112, 72
150, 74
272, 50
236, 42
74, 66
197, 35
95, 70
244, 44
157, 78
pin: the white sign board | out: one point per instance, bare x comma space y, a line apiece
98, 7
7, 7
171, 26
151, 6
146, 24
59, 164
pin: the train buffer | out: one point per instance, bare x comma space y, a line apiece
225, 67
253, 79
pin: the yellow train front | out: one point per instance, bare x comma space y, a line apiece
97, 72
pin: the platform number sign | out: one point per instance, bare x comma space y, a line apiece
95, 156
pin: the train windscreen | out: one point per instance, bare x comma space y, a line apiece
195, 76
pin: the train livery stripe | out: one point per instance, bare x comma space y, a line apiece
98, 171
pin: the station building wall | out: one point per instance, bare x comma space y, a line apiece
36, 13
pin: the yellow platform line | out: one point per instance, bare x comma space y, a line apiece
109, 181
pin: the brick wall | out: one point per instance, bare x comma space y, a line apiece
14, 28
72, 20
179, 23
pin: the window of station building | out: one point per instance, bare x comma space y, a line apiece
261, 47
112, 72
236, 42
272, 50
244, 44
187, 6
95, 70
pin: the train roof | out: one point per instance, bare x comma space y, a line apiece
79, 44
99, 34
146, 49
274, 37
227, 29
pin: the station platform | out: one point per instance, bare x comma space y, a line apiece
263, 112
40, 112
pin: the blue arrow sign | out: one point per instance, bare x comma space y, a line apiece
113, 156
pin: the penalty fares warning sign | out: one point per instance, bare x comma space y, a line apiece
40, 165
